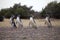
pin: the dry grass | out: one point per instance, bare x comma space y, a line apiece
39, 22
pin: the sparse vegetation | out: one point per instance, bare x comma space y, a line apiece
39, 22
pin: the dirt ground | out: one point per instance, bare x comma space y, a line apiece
39, 22
41, 33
